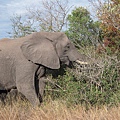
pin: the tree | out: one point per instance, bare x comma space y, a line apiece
51, 17
108, 13
110, 24
82, 29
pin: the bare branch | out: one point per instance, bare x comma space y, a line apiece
53, 15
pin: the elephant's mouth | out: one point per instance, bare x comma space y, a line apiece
81, 62
64, 60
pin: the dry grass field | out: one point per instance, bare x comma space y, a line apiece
56, 110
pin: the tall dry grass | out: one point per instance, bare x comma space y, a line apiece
57, 110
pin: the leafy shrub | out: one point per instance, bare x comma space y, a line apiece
88, 85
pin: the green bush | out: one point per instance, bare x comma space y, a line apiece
88, 85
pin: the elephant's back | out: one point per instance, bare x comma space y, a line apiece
10, 49
8, 44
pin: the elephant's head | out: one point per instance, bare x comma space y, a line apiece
49, 49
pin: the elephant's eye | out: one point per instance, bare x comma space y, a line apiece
66, 48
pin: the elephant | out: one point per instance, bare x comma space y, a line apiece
23, 61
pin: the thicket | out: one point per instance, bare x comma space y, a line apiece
88, 85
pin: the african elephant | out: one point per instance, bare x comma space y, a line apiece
23, 61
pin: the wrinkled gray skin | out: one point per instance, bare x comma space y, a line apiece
23, 61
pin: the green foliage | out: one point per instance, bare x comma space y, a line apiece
82, 29
88, 88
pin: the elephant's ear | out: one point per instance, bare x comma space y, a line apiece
41, 51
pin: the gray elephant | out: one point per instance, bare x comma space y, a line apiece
23, 61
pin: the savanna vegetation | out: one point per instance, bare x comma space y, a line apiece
83, 92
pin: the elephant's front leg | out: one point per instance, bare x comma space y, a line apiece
25, 82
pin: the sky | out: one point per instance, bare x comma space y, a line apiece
8, 8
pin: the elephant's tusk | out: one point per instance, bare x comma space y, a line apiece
81, 62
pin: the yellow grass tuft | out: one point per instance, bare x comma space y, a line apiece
57, 110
